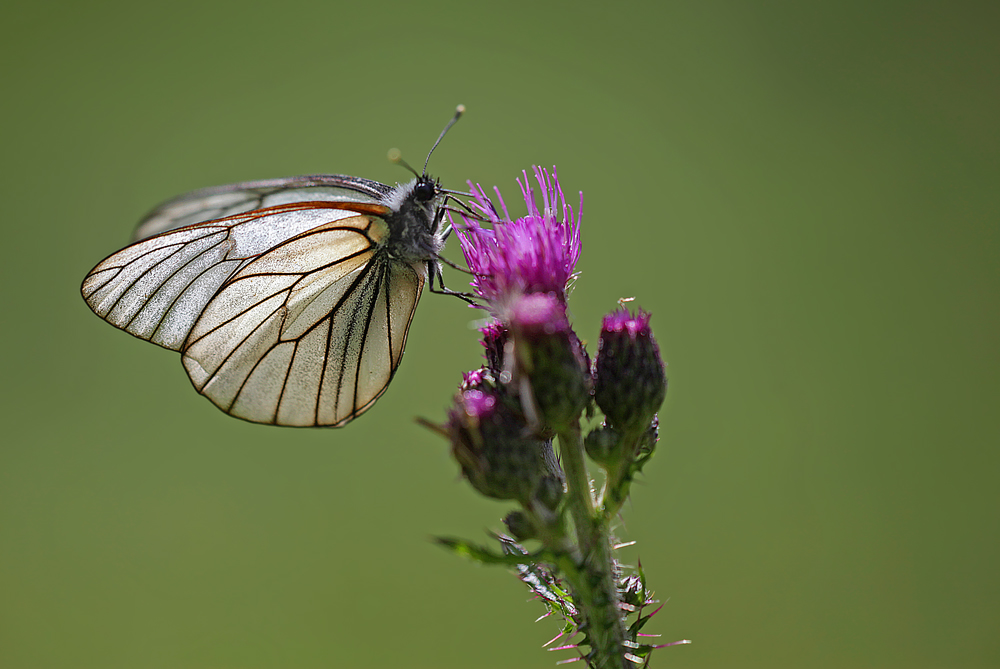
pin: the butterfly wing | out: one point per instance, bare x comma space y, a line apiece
157, 288
311, 332
218, 202
283, 296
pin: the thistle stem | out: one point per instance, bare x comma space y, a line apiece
596, 590
618, 481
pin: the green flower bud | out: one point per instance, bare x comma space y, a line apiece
490, 441
550, 491
630, 382
520, 526
603, 445
551, 357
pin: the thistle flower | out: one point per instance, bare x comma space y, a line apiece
522, 270
536, 385
489, 442
533, 254
630, 382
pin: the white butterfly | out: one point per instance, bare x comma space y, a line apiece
289, 299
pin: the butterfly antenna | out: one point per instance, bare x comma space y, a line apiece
396, 156
459, 110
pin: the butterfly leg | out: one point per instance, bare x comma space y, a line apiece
458, 267
434, 270
464, 210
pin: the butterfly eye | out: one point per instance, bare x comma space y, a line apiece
424, 191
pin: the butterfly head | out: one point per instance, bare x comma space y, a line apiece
415, 221
418, 208
425, 189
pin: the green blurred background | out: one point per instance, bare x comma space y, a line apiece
805, 195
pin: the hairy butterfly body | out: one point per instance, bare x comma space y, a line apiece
288, 299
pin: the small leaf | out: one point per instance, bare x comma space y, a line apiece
484, 555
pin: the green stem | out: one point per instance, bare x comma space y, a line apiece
594, 584
618, 481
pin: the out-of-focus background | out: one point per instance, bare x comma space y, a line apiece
805, 195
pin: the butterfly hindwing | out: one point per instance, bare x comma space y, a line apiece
374, 335
309, 333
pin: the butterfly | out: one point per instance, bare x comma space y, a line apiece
289, 299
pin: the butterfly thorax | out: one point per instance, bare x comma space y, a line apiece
414, 224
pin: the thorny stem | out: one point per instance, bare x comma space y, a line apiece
594, 580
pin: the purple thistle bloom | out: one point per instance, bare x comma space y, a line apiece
621, 320
475, 379
495, 342
539, 314
533, 254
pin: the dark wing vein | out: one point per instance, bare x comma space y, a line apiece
160, 286
116, 270
180, 247
180, 294
347, 339
393, 363
250, 306
251, 275
359, 290
253, 367
336, 262
364, 335
284, 382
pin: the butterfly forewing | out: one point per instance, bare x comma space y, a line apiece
223, 201
158, 288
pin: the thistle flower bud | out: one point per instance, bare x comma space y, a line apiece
477, 379
551, 488
551, 357
604, 445
489, 441
494, 341
519, 525
630, 381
